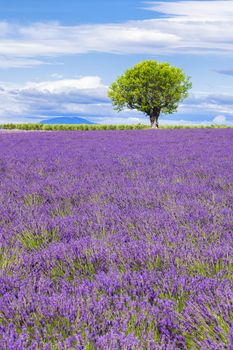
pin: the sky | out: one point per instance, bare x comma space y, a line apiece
58, 58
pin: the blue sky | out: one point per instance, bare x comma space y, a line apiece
57, 58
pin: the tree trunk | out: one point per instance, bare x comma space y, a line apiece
154, 117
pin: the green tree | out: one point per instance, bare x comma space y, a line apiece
150, 87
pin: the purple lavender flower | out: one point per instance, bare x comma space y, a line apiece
116, 240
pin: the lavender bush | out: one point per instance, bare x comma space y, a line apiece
116, 240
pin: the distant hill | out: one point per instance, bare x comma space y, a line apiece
66, 120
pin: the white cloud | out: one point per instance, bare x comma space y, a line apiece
188, 27
220, 10
53, 39
87, 96
67, 85
56, 76
123, 120
208, 104
219, 119
19, 62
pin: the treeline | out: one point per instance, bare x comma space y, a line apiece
65, 127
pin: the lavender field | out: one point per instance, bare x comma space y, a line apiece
116, 240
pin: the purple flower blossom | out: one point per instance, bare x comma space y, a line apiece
116, 240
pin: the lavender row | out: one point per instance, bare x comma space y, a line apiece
116, 240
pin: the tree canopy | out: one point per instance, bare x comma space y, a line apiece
150, 87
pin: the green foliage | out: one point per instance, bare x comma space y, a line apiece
32, 199
150, 87
76, 127
35, 240
8, 259
72, 127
